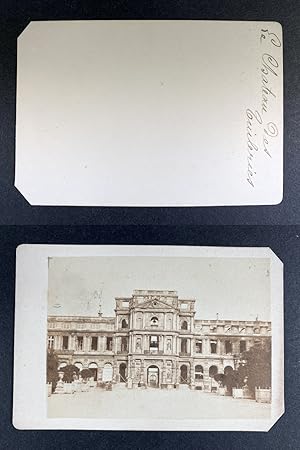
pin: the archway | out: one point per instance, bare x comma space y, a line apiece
94, 369
79, 365
62, 364
228, 370
183, 374
107, 374
122, 372
153, 376
213, 370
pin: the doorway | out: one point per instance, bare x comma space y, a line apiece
153, 376
183, 374
122, 372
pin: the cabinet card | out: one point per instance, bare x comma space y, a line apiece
148, 338
150, 113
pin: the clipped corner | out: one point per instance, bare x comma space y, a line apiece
274, 420
25, 30
25, 196
274, 257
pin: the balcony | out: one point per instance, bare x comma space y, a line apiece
153, 352
184, 354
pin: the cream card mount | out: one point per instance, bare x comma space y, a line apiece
150, 113
155, 322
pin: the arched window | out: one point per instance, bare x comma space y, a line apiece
228, 370
213, 370
124, 323
154, 320
198, 372
184, 325
79, 365
107, 373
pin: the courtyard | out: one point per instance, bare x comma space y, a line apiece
123, 403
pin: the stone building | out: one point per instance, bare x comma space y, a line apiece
154, 340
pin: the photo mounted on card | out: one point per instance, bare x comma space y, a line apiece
150, 113
148, 338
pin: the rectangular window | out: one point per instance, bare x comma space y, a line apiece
124, 344
198, 346
50, 341
109, 341
242, 346
153, 342
79, 342
213, 347
94, 344
228, 347
65, 342
184, 345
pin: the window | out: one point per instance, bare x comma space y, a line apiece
124, 344
184, 325
199, 373
124, 323
213, 346
198, 346
50, 341
183, 345
154, 343
228, 347
65, 342
154, 321
79, 342
109, 341
242, 346
213, 370
94, 345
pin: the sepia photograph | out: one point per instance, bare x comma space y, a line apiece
161, 338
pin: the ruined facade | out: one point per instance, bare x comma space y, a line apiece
154, 340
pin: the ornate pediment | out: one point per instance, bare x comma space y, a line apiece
154, 304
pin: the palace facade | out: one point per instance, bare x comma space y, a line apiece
154, 340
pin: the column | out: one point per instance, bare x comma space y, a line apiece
71, 343
161, 343
192, 346
188, 345
85, 343
173, 344
56, 343
206, 347
145, 343
218, 347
